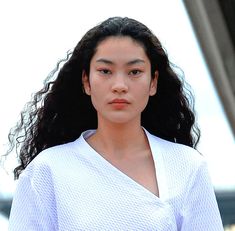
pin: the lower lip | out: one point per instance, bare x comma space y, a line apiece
119, 105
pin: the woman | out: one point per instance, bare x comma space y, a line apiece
134, 166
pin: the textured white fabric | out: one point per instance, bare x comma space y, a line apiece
72, 187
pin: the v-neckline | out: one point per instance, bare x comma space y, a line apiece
157, 159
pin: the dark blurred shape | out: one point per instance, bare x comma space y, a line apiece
5, 206
228, 10
226, 203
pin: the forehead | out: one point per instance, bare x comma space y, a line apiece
120, 48
120, 39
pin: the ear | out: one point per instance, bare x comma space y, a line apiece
153, 84
86, 83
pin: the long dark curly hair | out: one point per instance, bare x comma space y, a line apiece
61, 111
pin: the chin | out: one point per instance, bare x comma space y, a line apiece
119, 120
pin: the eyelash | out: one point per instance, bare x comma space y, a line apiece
136, 70
107, 72
104, 71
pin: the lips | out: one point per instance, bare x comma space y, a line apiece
119, 101
119, 104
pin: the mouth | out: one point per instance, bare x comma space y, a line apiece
119, 101
119, 104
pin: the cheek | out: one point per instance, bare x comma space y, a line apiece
143, 90
97, 89
96, 102
143, 94
97, 94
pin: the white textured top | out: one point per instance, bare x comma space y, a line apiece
72, 187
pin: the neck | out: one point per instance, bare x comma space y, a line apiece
119, 139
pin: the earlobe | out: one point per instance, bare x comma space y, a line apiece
86, 83
153, 87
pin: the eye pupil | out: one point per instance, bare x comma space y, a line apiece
135, 72
105, 71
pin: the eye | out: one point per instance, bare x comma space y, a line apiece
105, 71
135, 72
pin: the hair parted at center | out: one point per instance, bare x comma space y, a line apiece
61, 111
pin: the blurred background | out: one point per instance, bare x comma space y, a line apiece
199, 37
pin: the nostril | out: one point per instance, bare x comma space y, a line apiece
119, 86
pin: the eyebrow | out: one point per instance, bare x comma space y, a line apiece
132, 62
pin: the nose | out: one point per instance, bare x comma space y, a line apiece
119, 84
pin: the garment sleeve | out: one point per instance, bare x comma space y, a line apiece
200, 210
28, 211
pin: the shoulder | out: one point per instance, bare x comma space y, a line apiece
180, 168
174, 151
180, 162
50, 159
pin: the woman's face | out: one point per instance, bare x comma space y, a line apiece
120, 80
